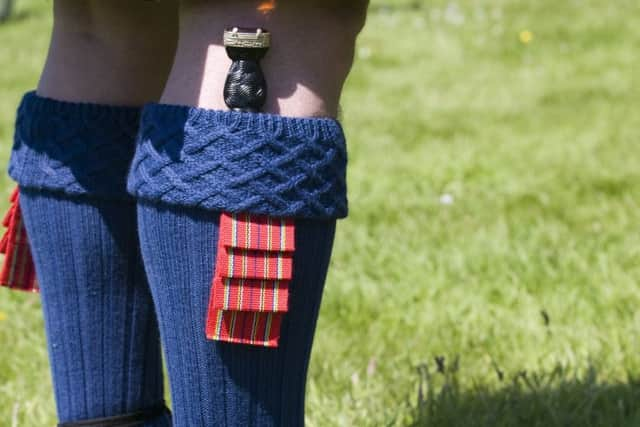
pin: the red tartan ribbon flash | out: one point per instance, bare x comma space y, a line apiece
250, 289
18, 271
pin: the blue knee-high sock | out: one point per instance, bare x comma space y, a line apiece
71, 161
218, 383
191, 164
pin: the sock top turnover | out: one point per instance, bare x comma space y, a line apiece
240, 162
73, 148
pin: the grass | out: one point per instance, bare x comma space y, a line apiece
488, 272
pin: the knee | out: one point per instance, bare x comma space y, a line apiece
117, 25
116, 52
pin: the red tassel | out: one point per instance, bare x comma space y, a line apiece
250, 289
18, 271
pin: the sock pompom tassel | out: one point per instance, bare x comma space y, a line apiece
250, 289
18, 271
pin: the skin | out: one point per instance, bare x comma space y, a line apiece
115, 52
125, 52
306, 66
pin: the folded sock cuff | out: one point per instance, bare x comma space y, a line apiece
240, 162
74, 148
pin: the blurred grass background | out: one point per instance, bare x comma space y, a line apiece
488, 272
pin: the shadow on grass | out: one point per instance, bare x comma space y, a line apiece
556, 398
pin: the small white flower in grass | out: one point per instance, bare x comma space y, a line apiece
453, 14
446, 199
14, 414
355, 379
371, 367
364, 52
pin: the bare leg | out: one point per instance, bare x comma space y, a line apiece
311, 54
111, 52
76, 139
197, 159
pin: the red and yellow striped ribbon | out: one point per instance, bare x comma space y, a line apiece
18, 271
250, 287
250, 294
263, 233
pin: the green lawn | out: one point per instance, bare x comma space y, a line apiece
488, 272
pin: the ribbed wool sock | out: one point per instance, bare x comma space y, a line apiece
70, 161
190, 165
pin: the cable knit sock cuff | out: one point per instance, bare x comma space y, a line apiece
74, 148
240, 162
